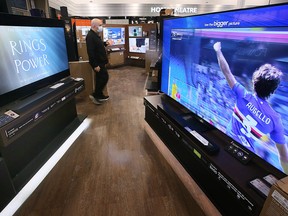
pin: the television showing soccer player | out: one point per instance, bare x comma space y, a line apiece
234, 75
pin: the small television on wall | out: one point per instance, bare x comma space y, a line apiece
135, 31
249, 103
116, 34
138, 45
33, 55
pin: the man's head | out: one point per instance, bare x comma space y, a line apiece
96, 25
266, 80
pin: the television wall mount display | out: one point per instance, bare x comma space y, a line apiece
135, 31
116, 34
138, 45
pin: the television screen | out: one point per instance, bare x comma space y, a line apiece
135, 31
138, 45
231, 69
33, 55
116, 34
19, 4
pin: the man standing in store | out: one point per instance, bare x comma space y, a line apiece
98, 60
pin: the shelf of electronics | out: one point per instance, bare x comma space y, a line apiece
205, 154
26, 113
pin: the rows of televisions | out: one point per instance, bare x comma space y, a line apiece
34, 55
190, 72
139, 39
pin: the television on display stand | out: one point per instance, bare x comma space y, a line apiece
229, 70
191, 74
33, 55
37, 98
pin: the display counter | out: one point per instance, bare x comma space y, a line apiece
198, 195
82, 51
40, 125
216, 170
82, 69
116, 57
151, 58
152, 84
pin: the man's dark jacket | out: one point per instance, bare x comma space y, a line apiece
96, 50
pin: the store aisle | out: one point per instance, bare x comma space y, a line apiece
113, 168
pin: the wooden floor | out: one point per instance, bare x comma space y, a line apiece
113, 168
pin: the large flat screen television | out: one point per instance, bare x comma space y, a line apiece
208, 65
116, 34
33, 55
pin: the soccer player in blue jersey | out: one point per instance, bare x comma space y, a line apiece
253, 118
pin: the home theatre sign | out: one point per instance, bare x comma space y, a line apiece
176, 10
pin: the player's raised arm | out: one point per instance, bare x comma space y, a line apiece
224, 65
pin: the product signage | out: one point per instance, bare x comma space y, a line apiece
136, 9
177, 10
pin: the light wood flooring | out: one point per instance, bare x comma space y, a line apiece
113, 168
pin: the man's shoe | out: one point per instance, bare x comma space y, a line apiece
103, 98
94, 100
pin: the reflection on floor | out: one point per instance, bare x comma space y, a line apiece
113, 168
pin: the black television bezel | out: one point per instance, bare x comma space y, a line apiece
24, 91
253, 155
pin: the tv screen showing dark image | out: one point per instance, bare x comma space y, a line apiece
138, 45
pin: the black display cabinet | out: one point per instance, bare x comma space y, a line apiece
46, 119
222, 177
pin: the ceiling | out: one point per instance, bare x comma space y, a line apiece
140, 8
198, 2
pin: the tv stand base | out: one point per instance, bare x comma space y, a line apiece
199, 196
221, 177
